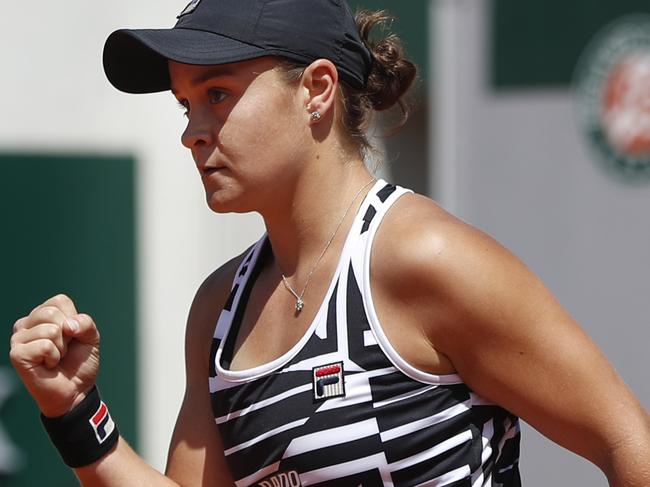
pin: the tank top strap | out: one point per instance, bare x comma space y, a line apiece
379, 200
378, 206
239, 284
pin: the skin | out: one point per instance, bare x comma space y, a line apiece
463, 303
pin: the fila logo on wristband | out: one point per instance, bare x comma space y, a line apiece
102, 423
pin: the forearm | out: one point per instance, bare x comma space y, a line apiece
122, 467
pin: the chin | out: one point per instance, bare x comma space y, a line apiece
219, 204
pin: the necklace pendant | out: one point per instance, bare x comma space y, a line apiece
299, 304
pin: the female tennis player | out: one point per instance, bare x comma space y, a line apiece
369, 337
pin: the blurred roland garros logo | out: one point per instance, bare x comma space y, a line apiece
612, 83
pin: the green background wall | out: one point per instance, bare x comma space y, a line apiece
68, 226
538, 42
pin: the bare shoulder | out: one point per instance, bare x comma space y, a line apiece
420, 242
444, 267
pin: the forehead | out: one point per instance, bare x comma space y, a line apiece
194, 75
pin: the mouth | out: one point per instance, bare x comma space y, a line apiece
210, 167
207, 171
208, 164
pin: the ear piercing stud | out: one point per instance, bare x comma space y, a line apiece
315, 116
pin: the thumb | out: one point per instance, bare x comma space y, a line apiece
82, 327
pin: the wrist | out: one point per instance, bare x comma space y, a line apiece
62, 408
85, 433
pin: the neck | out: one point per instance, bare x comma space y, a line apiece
300, 229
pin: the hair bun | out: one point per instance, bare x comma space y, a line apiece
392, 74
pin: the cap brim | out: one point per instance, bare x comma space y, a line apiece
135, 61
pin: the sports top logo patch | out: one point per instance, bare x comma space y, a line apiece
328, 381
190, 8
102, 423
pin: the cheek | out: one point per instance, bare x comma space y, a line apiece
264, 126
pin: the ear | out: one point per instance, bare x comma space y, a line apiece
320, 81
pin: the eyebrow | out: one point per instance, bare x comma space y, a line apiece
214, 72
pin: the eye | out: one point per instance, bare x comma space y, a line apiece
216, 96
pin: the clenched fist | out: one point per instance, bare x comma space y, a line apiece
55, 351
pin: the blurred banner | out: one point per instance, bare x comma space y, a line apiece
68, 227
541, 137
538, 43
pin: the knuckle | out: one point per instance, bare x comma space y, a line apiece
50, 313
61, 300
13, 355
52, 332
14, 341
46, 347
19, 324
36, 311
46, 314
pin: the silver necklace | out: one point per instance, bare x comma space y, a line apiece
299, 297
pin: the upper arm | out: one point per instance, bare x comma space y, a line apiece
512, 342
196, 455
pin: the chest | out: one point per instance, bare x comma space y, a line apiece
270, 326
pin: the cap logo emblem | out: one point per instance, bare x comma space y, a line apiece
190, 8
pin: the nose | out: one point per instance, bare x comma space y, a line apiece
198, 132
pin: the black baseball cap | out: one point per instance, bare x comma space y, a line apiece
212, 32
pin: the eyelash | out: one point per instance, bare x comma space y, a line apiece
183, 106
221, 95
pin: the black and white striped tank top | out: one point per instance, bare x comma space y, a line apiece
342, 407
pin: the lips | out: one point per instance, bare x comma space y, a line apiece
208, 164
209, 167
209, 171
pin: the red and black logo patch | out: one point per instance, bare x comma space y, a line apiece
328, 381
102, 423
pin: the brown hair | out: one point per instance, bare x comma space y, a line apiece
390, 78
